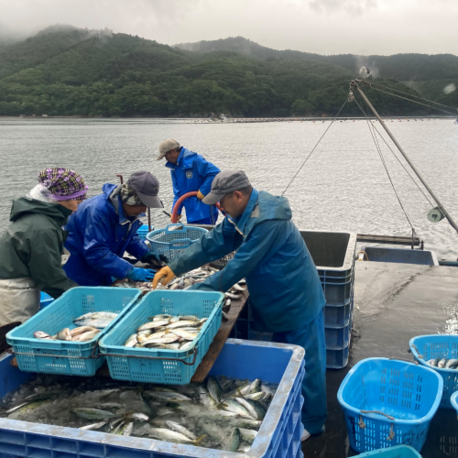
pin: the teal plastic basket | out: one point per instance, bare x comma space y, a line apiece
389, 402
162, 366
435, 346
174, 239
399, 451
62, 357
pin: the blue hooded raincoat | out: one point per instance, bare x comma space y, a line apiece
283, 282
193, 173
98, 235
285, 289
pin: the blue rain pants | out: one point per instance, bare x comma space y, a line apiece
312, 339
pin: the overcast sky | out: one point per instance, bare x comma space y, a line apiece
321, 26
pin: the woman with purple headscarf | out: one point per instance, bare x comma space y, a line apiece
31, 248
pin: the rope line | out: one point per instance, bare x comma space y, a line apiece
379, 151
314, 148
414, 101
412, 95
403, 166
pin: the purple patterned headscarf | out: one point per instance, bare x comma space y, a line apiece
63, 184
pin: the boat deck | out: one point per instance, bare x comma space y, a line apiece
393, 303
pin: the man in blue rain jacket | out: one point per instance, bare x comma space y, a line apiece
190, 172
105, 226
283, 282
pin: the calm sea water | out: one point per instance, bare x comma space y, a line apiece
343, 185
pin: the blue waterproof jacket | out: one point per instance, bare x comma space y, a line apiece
193, 173
98, 235
283, 282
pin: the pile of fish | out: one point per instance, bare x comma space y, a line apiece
89, 325
186, 281
167, 332
443, 363
221, 413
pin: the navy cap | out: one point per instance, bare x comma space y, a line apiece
146, 185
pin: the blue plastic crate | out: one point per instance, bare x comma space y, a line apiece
45, 300
153, 365
174, 239
279, 435
399, 451
337, 358
143, 231
338, 338
389, 402
61, 357
338, 316
432, 346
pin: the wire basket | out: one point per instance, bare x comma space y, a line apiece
174, 239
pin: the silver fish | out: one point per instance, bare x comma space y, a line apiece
43, 335
160, 317
251, 388
186, 345
181, 429
214, 388
94, 426
185, 334
180, 324
152, 325
432, 362
82, 330
167, 396
248, 435
256, 396
64, 334
97, 316
451, 363
234, 441
126, 429
86, 336
100, 324
234, 406
93, 414
254, 409
172, 436
188, 318
137, 417
442, 363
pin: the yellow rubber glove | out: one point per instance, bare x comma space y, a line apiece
200, 196
178, 218
164, 276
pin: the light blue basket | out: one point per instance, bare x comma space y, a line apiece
453, 401
45, 300
162, 366
143, 231
434, 346
62, 357
389, 402
400, 451
174, 239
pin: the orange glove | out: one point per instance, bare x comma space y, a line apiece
200, 196
178, 218
164, 276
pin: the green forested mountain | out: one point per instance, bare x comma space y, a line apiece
427, 74
68, 71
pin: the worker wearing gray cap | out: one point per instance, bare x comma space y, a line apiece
105, 226
285, 290
190, 172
